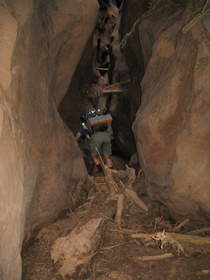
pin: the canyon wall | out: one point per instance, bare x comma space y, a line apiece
172, 124
41, 44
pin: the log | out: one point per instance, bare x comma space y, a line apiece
110, 181
156, 258
120, 203
131, 175
117, 87
141, 235
119, 90
182, 224
201, 230
102, 68
194, 240
134, 197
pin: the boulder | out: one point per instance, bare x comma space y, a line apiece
172, 124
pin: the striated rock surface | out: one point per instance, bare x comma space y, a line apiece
172, 123
41, 43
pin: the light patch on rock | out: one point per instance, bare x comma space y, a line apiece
8, 34
1, 121
165, 48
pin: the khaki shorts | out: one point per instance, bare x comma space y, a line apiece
102, 142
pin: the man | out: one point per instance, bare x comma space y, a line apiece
99, 140
100, 144
84, 131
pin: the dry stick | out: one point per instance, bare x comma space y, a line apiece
131, 175
102, 68
132, 195
120, 203
182, 224
190, 239
201, 230
113, 91
129, 192
113, 246
126, 231
156, 258
108, 178
110, 181
196, 240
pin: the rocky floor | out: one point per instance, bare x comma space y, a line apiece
117, 254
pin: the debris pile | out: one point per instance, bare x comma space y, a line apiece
110, 200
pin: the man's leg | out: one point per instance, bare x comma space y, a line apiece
107, 150
94, 148
108, 161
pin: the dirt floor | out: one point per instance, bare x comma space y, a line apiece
117, 254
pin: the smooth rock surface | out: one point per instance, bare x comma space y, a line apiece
172, 123
41, 43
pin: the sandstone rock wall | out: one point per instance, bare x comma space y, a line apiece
40, 45
172, 123
76, 94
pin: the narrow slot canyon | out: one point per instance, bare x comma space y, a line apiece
135, 204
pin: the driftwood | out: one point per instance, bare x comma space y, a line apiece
117, 188
179, 226
131, 176
156, 258
79, 246
185, 238
197, 240
127, 189
198, 231
120, 203
116, 88
110, 181
135, 198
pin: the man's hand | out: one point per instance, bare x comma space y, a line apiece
78, 135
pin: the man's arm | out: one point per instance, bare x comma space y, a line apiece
78, 135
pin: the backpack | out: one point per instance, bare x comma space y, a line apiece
100, 122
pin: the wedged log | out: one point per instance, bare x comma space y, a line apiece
117, 87
132, 195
